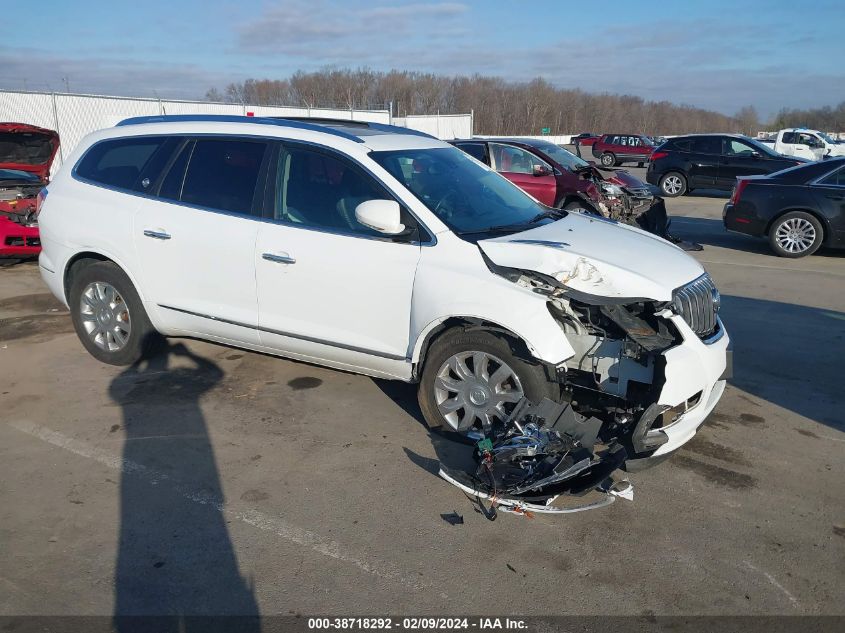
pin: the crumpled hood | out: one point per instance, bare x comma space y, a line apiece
597, 257
27, 148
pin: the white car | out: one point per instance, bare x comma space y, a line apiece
382, 251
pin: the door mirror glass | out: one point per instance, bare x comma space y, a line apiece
383, 216
542, 170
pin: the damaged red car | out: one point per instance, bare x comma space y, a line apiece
560, 179
26, 155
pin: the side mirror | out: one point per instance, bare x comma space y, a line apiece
541, 170
756, 155
380, 215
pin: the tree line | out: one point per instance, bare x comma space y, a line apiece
826, 119
500, 107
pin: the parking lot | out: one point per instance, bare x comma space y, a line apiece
214, 480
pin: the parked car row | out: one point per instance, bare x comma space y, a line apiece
382, 251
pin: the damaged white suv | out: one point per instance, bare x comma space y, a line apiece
383, 251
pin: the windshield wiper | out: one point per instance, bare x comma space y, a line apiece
521, 226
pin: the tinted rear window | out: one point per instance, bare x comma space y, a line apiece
120, 162
707, 145
222, 174
476, 150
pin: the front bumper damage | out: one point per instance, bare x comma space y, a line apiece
644, 376
542, 451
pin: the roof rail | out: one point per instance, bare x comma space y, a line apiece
231, 118
381, 127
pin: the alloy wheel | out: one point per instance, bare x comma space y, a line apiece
105, 316
475, 387
795, 235
673, 185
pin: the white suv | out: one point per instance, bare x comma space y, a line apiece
383, 251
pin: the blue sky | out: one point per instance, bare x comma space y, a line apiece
715, 54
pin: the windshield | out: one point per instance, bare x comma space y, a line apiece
561, 156
18, 176
467, 196
826, 138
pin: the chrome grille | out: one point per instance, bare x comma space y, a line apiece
698, 303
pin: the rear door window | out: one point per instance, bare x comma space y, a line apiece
706, 145
120, 162
476, 150
222, 174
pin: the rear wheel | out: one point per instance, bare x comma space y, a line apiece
108, 315
608, 159
796, 234
673, 184
473, 378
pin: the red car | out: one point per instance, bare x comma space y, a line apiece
558, 178
618, 149
26, 155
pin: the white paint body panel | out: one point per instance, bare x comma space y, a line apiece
206, 268
598, 256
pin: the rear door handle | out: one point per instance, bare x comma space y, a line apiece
280, 258
157, 235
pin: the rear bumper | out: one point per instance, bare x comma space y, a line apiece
17, 240
736, 220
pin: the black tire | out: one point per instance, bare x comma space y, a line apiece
673, 184
780, 244
142, 338
532, 376
640, 164
608, 160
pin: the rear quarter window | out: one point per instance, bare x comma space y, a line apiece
120, 162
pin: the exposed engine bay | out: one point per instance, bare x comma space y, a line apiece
18, 203
617, 195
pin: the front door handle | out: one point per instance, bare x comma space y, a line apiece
157, 235
282, 258
836, 196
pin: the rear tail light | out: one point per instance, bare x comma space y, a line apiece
39, 201
737, 192
659, 155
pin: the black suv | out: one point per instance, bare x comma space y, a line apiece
711, 161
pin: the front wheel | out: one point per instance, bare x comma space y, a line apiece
473, 378
796, 234
608, 159
108, 315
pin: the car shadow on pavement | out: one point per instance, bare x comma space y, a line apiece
449, 448
175, 556
806, 377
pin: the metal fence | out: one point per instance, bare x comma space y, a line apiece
74, 116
